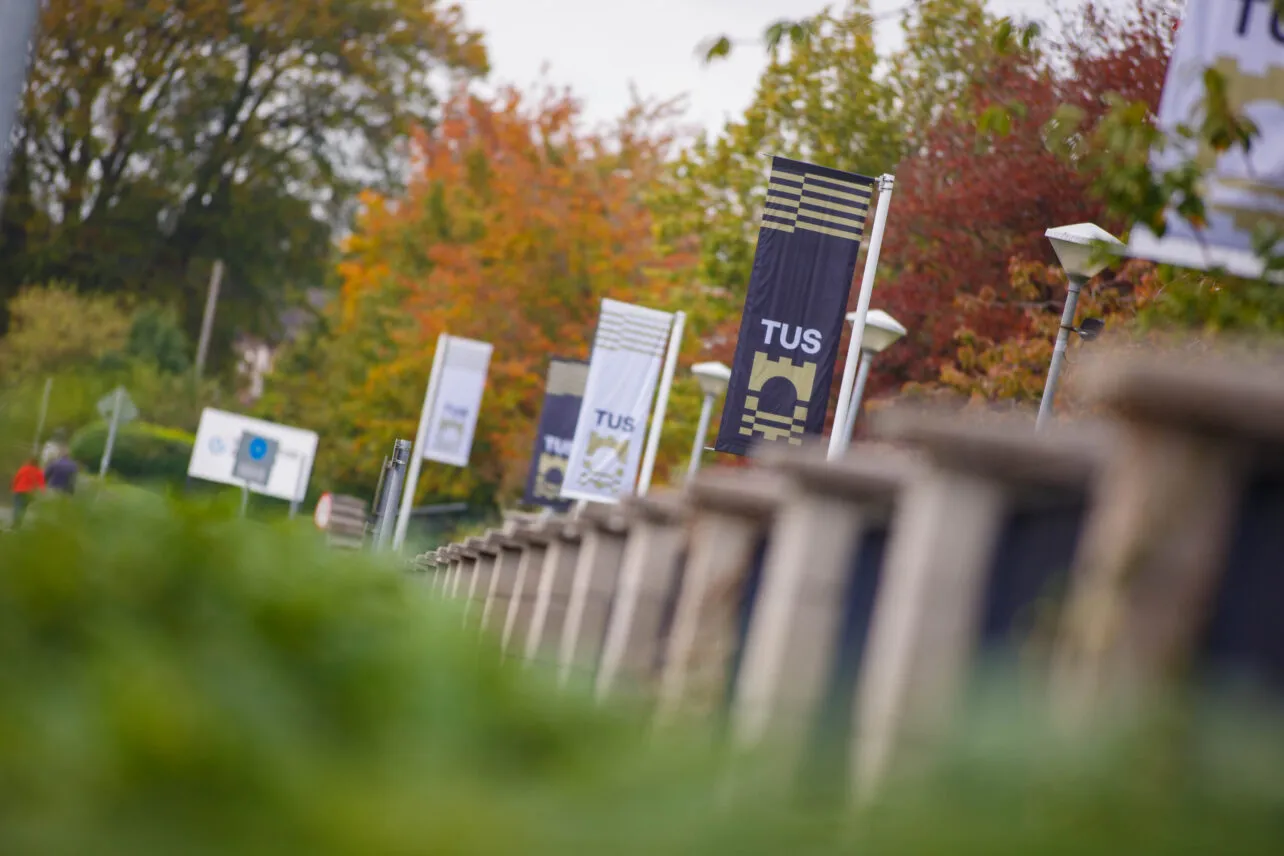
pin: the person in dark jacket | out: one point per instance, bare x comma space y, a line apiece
61, 474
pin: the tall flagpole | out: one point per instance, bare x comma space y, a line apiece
421, 436
661, 403
838, 433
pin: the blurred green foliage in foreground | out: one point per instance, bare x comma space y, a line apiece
173, 680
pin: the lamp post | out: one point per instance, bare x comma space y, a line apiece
1077, 249
881, 330
713, 378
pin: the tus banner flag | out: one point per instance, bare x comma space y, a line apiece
1244, 191
563, 392
456, 400
622, 373
810, 235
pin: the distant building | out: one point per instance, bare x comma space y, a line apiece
255, 355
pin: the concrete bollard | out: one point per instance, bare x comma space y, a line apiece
597, 571
1165, 575
479, 585
943, 544
548, 615
500, 591
732, 512
463, 577
649, 574
534, 542
792, 647
453, 559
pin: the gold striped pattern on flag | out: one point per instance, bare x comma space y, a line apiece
816, 203
620, 331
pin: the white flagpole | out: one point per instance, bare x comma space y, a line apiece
661, 403
421, 436
838, 435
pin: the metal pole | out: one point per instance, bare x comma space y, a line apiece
245, 498
44, 411
702, 430
839, 431
111, 431
305, 462
421, 437
661, 403
1074, 286
207, 320
862, 375
18, 20
387, 517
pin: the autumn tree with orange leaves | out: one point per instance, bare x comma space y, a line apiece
516, 223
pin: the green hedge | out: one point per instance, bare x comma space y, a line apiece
142, 451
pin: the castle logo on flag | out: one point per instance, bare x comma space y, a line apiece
812, 225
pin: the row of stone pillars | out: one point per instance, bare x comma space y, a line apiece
1110, 557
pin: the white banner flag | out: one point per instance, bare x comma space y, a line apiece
1244, 41
456, 401
622, 374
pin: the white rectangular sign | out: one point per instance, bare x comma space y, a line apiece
627, 352
456, 401
1244, 41
218, 439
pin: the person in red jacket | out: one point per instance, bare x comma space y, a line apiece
26, 482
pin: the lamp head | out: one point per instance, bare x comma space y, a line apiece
713, 377
1090, 328
1077, 248
881, 330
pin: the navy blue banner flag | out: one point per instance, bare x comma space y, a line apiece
563, 392
812, 225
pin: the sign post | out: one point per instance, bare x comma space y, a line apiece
117, 408
44, 412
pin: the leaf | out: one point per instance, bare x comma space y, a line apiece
1002, 40
1029, 33
713, 49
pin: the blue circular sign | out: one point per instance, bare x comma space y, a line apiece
258, 448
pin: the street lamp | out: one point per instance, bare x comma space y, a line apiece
713, 379
881, 330
1078, 249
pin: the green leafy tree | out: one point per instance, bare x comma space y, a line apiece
55, 329
516, 223
157, 136
156, 338
820, 99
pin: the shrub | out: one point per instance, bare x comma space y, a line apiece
55, 328
142, 451
176, 681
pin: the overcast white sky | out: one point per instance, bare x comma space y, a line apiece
599, 47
